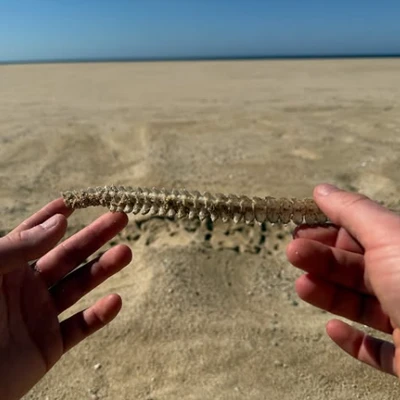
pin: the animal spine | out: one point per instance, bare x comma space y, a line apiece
181, 203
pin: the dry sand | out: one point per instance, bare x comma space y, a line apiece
207, 314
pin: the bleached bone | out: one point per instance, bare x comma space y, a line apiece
182, 203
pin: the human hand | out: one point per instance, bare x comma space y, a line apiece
353, 270
32, 296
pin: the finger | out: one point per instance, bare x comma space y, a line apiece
339, 266
338, 300
85, 323
80, 282
73, 251
18, 248
55, 207
357, 214
330, 235
377, 353
396, 342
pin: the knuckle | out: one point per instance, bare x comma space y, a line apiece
14, 239
354, 200
351, 203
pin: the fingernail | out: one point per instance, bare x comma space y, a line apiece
326, 189
50, 222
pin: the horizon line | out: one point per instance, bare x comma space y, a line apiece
196, 58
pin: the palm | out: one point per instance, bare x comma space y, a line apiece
348, 281
31, 321
382, 268
32, 296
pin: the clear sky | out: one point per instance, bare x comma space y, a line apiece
74, 29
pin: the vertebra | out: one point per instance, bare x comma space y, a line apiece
181, 203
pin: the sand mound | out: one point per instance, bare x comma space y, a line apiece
209, 310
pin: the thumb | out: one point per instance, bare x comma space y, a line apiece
16, 249
367, 221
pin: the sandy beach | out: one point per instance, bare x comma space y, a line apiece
209, 312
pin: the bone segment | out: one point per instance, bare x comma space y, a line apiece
192, 204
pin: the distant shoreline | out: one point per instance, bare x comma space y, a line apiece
191, 59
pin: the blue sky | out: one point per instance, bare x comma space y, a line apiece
65, 29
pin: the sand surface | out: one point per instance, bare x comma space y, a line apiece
209, 312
